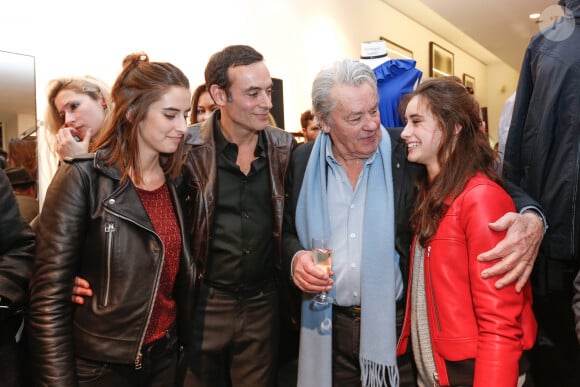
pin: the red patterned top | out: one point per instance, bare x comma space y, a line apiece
160, 209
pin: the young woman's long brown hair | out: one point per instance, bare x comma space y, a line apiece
140, 84
461, 154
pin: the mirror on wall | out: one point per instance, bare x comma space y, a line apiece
17, 96
18, 109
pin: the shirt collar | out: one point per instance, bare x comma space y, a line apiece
221, 142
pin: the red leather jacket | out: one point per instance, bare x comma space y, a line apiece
478, 332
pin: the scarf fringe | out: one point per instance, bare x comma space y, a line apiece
375, 375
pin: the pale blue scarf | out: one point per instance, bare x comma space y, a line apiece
380, 282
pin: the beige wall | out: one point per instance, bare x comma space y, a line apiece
502, 82
16, 124
25, 122
297, 37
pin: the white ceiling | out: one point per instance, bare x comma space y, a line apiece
500, 29
503, 27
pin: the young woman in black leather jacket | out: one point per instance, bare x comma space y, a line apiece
114, 218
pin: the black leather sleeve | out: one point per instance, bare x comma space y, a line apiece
16, 248
524, 201
61, 234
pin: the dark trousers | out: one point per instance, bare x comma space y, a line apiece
13, 355
235, 339
159, 368
345, 354
11, 366
555, 358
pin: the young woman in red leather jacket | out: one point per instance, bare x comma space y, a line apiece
463, 330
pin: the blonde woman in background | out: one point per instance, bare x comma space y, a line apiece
76, 111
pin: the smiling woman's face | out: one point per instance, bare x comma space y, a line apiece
422, 135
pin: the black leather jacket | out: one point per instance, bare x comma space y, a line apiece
200, 183
16, 255
94, 226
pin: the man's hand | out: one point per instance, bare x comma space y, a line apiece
307, 276
517, 252
81, 289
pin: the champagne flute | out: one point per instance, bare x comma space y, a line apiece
323, 259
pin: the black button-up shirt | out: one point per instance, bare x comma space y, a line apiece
240, 256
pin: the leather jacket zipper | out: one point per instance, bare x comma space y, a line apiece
428, 261
139, 357
138, 362
109, 230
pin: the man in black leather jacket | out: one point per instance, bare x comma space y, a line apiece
16, 254
234, 175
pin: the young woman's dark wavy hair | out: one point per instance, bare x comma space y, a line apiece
463, 152
140, 84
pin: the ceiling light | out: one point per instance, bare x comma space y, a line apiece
534, 16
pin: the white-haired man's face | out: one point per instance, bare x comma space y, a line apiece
355, 122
